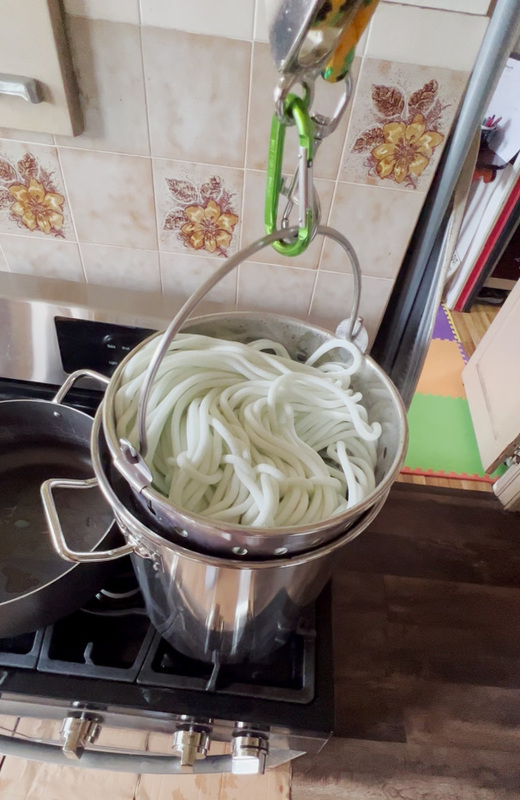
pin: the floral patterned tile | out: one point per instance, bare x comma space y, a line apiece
44, 258
32, 195
198, 208
399, 125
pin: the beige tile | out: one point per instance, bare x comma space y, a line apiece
111, 198
46, 258
379, 224
400, 123
207, 199
4, 266
280, 290
109, 71
182, 275
197, 89
253, 224
264, 80
113, 10
121, 266
32, 193
332, 301
425, 36
261, 34
226, 18
26, 136
466, 6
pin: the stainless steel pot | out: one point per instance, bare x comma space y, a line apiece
380, 397
210, 608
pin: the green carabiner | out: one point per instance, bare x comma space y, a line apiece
296, 108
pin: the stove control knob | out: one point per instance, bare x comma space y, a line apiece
77, 732
191, 742
249, 753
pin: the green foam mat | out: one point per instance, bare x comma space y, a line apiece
442, 438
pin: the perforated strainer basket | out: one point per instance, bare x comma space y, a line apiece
380, 399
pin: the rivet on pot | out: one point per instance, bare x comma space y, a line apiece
239, 551
280, 551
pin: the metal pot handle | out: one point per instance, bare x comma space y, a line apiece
75, 376
56, 532
134, 459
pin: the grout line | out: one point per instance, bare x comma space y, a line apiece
73, 221
140, 12
246, 148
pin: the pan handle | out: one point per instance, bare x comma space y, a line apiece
56, 532
75, 376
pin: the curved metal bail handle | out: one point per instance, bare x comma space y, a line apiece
193, 301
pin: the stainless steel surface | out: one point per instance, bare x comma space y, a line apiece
217, 609
29, 349
249, 754
58, 539
381, 400
295, 46
19, 86
191, 742
76, 733
117, 717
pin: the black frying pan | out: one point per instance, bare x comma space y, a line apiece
41, 439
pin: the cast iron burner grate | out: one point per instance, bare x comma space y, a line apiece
288, 674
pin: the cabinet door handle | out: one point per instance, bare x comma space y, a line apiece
27, 88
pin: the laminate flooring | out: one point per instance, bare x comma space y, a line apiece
427, 655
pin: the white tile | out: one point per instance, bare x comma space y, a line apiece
261, 32
126, 267
111, 198
225, 18
45, 258
253, 222
333, 299
279, 290
379, 224
264, 80
400, 123
113, 10
4, 266
197, 89
425, 36
466, 6
33, 200
26, 136
199, 208
182, 275
109, 71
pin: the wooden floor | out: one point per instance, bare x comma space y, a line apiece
471, 327
427, 656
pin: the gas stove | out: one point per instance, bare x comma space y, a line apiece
105, 666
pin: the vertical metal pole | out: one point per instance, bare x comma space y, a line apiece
402, 340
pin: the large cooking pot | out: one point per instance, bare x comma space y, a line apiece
380, 398
40, 439
209, 608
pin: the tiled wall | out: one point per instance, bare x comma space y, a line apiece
169, 176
